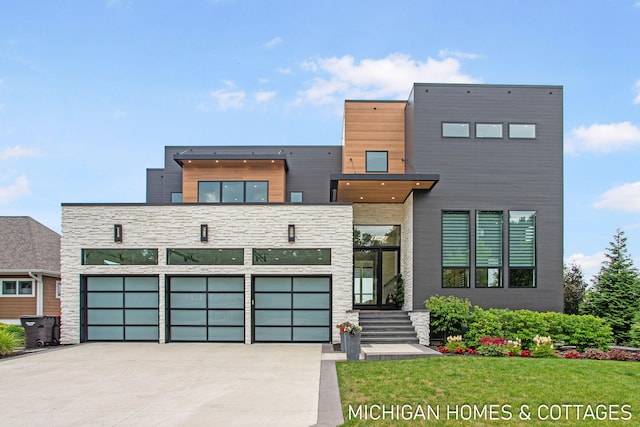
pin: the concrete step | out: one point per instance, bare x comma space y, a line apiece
389, 340
387, 327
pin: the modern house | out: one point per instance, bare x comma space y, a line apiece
458, 191
29, 269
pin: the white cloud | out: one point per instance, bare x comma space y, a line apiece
625, 197
603, 138
226, 99
264, 96
390, 77
284, 71
19, 188
15, 152
590, 264
636, 87
447, 53
273, 43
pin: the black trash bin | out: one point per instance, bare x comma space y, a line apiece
35, 333
52, 330
40, 330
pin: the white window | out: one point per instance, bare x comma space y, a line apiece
455, 130
488, 130
522, 131
17, 288
58, 288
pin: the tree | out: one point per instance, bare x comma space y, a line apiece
574, 288
615, 295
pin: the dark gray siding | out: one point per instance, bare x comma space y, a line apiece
310, 167
483, 174
155, 184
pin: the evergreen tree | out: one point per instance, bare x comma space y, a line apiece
574, 288
615, 295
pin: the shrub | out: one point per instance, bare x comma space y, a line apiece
483, 323
620, 355
634, 332
9, 341
449, 315
595, 354
15, 329
586, 331
543, 348
581, 331
513, 347
455, 343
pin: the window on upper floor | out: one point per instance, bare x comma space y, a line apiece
377, 161
295, 197
176, 197
233, 191
455, 130
455, 249
522, 249
58, 289
488, 130
17, 288
522, 131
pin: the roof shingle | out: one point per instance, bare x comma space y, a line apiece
27, 245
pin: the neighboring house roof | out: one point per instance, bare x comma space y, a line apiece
26, 245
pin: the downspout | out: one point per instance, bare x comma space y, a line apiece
39, 293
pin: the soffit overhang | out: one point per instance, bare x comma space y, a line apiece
231, 159
379, 188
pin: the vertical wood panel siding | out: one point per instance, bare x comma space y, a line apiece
233, 170
373, 126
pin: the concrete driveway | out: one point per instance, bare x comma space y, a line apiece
136, 384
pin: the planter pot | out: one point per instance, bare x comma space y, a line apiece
342, 344
352, 344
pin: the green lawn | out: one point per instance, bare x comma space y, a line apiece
485, 391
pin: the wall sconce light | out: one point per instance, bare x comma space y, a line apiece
117, 233
204, 232
292, 233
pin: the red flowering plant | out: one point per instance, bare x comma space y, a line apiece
472, 351
492, 346
442, 349
572, 354
525, 353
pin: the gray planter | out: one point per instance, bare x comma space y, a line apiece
352, 344
342, 344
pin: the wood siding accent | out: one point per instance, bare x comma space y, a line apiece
373, 126
51, 303
234, 170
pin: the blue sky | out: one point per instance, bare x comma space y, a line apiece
91, 91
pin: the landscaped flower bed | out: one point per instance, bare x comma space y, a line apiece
542, 347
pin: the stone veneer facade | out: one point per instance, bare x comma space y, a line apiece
230, 226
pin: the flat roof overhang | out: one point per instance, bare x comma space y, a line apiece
379, 188
183, 158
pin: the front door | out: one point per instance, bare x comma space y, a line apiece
374, 277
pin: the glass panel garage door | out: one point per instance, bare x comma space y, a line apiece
292, 309
206, 309
120, 309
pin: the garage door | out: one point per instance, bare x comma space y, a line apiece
206, 309
292, 309
120, 308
